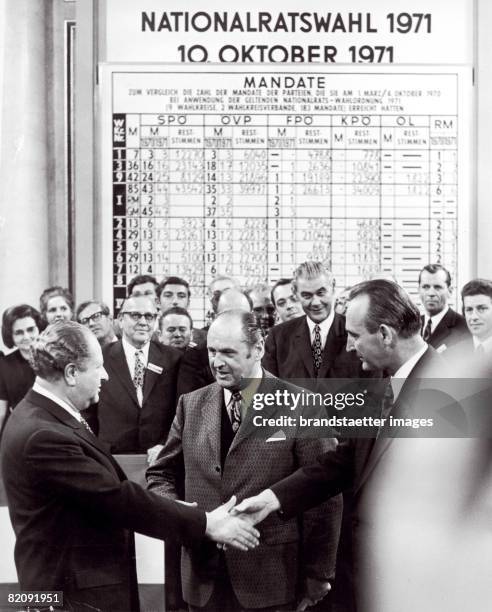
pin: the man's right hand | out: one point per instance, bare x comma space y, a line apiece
256, 509
231, 530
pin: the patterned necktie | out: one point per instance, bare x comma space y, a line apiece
386, 404
427, 331
138, 375
86, 424
316, 348
235, 410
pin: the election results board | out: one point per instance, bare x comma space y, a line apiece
249, 172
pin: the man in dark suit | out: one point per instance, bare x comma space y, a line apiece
442, 327
312, 346
71, 506
137, 404
214, 448
383, 328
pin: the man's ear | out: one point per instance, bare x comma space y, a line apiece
387, 334
70, 374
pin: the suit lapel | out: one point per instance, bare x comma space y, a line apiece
151, 377
78, 428
211, 411
303, 342
119, 367
334, 343
407, 392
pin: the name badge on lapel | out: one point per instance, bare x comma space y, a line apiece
154, 368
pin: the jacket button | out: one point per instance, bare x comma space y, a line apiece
217, 468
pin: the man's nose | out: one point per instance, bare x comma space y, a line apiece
350, 344
104, 374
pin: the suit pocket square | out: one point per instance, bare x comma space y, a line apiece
279, 436
441, 348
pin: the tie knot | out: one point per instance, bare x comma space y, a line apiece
236, 396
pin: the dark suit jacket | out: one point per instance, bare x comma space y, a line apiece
71, 507
451, 330
126, 426
194, 370
289, 550
353, 465
288, 352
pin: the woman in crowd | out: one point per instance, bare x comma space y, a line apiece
20, 326
56, 304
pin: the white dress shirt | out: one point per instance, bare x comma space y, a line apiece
404, 370
324, 328
487, 344
436, 319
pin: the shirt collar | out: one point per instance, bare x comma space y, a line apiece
57, 400
398, 379
487, 344
130, 350
248, 392
323, 325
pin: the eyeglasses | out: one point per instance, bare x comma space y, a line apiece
95, 316
136, 316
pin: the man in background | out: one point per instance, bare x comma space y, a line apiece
285, 301
143, 285
97, 317
442, 327
176, 328
312, 346
137, 404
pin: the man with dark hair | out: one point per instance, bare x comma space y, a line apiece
97, 317
312, 346
442, 327
143, 285
212, 450
477, 307
72, 508
285, 301
138, 402
173, 291
383, 327
176, 327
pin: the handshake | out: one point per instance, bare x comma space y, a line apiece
232, 525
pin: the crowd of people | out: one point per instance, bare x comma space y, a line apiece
182, 396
